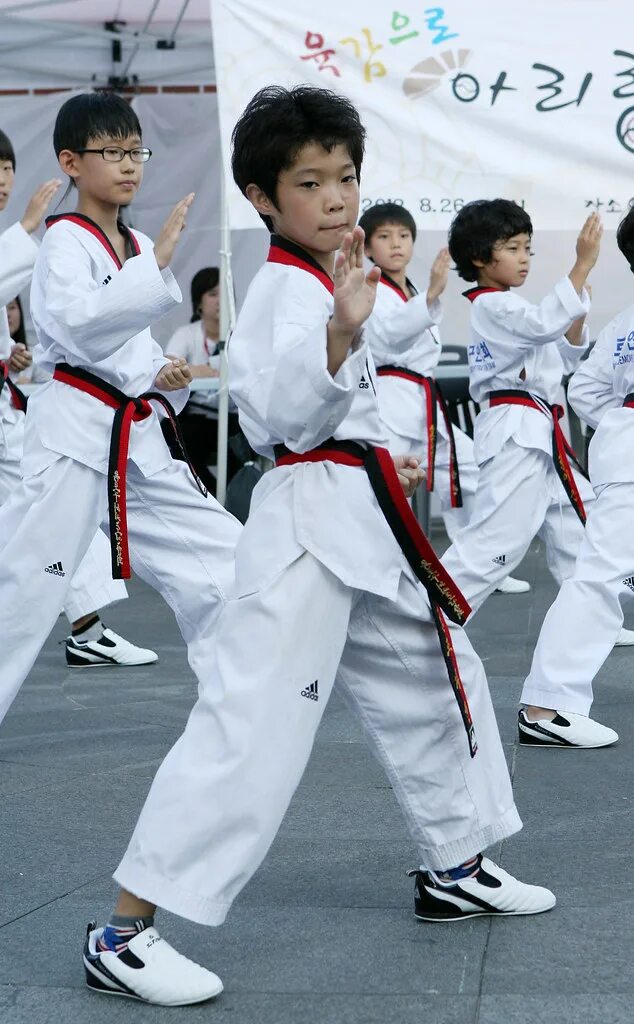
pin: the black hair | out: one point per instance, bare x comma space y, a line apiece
478, 226
20, 335
386, 213
625, 237
202, 281
7, 152
93, 115
278, 122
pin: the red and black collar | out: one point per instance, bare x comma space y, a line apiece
291, 255
90, 225
472, 293
391, 283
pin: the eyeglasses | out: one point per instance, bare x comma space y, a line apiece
115, 154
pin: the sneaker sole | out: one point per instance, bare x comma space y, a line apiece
109, 664
76, 661
94, 981
468, 915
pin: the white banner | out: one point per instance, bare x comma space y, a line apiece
532, 102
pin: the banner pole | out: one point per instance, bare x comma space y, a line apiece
227, 321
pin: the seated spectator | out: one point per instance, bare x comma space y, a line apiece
197, 342
15, 317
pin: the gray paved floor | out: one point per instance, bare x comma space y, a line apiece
324, 934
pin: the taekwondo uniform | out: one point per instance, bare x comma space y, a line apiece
323, 590
92, 318
528, 481
92, 586
403, 337
582, 624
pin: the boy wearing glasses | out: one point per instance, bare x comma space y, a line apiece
94, 453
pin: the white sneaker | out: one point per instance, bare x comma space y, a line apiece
565, 730
625, 638
149, 969
109, 649
490, 892
512, 586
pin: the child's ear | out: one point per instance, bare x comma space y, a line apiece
69, 163
260, 200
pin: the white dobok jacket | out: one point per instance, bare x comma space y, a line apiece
596, 393
91, 312
515, 345
280, 382
18, 252
402, 331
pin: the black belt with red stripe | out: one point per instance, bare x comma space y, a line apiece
628, 401
127, 411
445, 597
434, 399
18, 398
563, 453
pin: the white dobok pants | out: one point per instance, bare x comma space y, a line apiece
221, 793
584, 621
92, 586
181, 543
454, 518
519, 496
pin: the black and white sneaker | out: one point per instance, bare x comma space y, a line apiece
109, 649
565, 730
149, 969
491, 891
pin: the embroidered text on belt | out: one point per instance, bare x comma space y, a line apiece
127, 411
434, 399
444, 596
563, 453
18, 398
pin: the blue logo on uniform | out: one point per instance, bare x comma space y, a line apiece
480, 356
626, 356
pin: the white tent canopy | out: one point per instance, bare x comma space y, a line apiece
83, 43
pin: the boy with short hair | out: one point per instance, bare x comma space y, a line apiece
530, 482
327, 571
583, 622
91, 586
97, 287
405, 342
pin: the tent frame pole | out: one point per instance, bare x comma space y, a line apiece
227, 321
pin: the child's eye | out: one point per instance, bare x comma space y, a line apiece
348, 178
308, 184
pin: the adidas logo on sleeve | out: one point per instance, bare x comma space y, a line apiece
629, 582
55, 569
500, 559
312, 691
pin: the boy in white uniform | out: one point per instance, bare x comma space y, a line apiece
91, 586
405, 343
529, 481
324, 589
96, 289
581, 625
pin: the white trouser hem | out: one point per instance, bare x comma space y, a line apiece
109, 593
555, 700
451, 855
133, 877
167, 895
